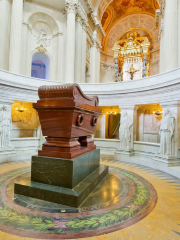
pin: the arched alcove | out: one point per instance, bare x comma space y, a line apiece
40, 66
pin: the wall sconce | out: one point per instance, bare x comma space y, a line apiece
112, 113
21, 109
158, 113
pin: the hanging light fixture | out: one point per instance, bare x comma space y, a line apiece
21, 108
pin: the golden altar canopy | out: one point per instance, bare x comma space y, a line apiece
133, 48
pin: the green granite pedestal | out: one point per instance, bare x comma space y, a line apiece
63, 181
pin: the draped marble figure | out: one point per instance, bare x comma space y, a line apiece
5, 125
125, 132
167, 133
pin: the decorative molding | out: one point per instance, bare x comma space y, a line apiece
41, 49
95, 41
161, 29
162, 88
157, 17
106, 66
42, 37
96, 24
71, 6
89, 5
163, 5
81, 18
43, 16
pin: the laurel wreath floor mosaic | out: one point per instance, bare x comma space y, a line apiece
132, 202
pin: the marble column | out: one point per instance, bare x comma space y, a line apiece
55, 66
5, 25
28, 51
144, 67
84, 46
170, 37
71, 7
94, 59
178, 33
116, 69
161, 37
16, 37
61, 57
78, 50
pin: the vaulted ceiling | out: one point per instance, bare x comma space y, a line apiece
121, 8
118, 16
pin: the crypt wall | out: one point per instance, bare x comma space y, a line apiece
157, 93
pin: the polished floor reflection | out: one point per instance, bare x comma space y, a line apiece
107, 193
141, 202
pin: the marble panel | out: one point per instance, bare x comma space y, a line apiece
64, 172
71, 197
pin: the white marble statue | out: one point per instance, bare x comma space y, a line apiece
167, 133
5, 126
126, 131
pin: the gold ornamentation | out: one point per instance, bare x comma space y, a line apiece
132, 71
41, 49
131, 49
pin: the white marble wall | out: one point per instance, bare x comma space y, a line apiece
5, 26
163, 89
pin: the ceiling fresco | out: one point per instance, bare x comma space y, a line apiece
123, 8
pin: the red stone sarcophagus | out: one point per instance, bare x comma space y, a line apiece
68, 119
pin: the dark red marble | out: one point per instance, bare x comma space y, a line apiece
68, 118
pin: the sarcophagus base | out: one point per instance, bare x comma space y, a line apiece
67, 148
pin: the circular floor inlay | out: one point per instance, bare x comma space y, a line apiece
120, 200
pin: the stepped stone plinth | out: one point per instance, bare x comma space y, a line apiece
67, 168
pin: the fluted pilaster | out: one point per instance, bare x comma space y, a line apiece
71, 8
15, 36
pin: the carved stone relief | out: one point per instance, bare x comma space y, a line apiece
27, 119
151, 123
43, 33
5, 126
149, 119
126, 131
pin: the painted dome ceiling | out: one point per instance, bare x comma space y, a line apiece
122, 8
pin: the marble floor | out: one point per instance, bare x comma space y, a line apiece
133, 202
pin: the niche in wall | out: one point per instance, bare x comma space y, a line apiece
108, 123
25, 120
40, 67
148, 123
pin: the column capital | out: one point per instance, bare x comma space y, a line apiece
95, 41
71, 6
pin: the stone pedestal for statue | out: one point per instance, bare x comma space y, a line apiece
68, 167
128, 152
168, 160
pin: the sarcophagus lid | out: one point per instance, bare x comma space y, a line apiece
66, 112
